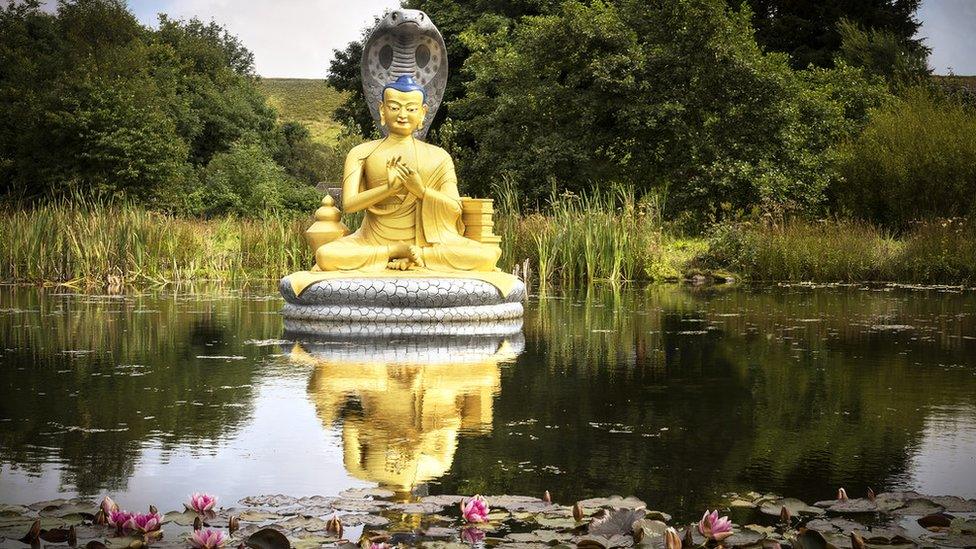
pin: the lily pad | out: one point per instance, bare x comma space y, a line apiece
840, 525
936, 520
254, 515
267, 538
360, 519
270, 500
918, 507
614, 502
618, 521
82, 507
445, 499
309, 524
554, 522
955, 540
604, 542
517, 503
793, 505
743, 538
311, 542
812, 539
853, 506
953, 504
741, 503
889, 501
367, 492
547, 537
418, 508
183, 518
359, 505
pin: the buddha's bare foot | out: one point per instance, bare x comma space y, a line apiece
402, 264
417, 256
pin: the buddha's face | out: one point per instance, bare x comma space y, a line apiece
402, 112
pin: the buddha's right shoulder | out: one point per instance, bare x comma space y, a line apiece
364, 149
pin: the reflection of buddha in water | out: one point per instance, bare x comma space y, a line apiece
413, 399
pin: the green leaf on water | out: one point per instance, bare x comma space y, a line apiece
267, 538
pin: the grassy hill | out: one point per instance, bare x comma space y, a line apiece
306, 100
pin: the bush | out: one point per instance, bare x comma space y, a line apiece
246, 181
916, 159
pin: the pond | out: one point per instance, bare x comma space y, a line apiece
673, 394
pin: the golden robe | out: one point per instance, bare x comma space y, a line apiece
432, 223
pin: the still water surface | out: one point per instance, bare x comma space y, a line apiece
672, 394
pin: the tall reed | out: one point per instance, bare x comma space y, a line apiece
82, 242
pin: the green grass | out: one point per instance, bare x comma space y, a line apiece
309, 101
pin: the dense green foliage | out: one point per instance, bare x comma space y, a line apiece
916, 159
808, 30
677, 97
93, 103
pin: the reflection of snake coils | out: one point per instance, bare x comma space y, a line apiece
404, 43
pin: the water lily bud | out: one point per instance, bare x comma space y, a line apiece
137, 544
101, 518
672, 540
871, 496
33, 534
197, 523
334, 526
108, 505
546, 497
638, 533
784, 515
689, 539
153, 510
234, 524
72, 537
841, 494
577, 512
857, 542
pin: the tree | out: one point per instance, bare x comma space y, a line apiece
808, 30
883, 54
668, 95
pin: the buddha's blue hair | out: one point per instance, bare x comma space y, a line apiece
405, 84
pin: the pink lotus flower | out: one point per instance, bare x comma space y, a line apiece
108, 506
475, 509
472, 535
713, 527
207, 539
201, 503
120, 520
144, 523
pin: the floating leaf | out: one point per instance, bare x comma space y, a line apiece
418, 508
742, 538
854, 506
953, 504
256, 516
273, 500
367, 492
444, 499
554, 522
359, 505
812, 539
918, 507
604, 542
936, 520
615, 502
741, 503
793, 505
618, 521
358, 519
517, 503
840, 525
183, 518
267, 538
310, 524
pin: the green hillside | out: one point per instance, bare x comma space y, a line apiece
305, 100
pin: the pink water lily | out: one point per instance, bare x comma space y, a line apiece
475, 509
379, 546
120, 520
713, 527
201, 503
108, 506
144, 523
207, 539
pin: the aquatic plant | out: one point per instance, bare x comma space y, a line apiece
475, 509
713, 527
108, 506
120, 520
207, 539
145, 523
672, 540
201, 503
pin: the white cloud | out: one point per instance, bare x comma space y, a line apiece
289, 38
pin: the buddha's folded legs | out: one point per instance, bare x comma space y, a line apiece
351, 254
463, 255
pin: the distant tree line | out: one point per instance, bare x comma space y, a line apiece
725, 110
92, 103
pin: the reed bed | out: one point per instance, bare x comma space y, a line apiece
83, 243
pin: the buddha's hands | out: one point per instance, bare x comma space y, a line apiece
394, 178
411, 179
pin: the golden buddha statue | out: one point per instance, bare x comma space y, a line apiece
408, 189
